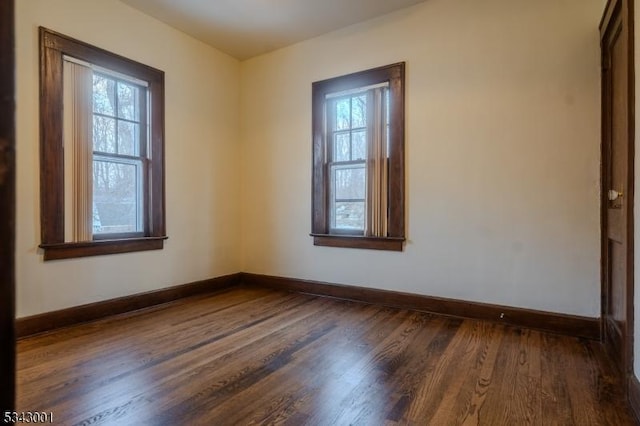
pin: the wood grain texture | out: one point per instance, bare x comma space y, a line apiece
547, 321
93, 311
634, 396
8, 205
101, 247
351, 241
618, 153
51, 143
251, 355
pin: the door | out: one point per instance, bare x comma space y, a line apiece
617, 181
7, 207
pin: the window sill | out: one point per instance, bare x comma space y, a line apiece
100, 247
351, 241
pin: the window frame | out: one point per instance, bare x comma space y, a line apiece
53, 47
394, 75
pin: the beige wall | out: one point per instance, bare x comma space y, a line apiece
502, 153
202, 87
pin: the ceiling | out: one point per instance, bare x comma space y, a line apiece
247, 28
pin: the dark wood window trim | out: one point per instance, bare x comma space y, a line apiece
53, 46
358, 241
394, 75
8, 209
98, 247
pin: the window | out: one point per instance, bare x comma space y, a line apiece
358, 160
119, 154
102, 151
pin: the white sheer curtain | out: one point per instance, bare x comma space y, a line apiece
79, 141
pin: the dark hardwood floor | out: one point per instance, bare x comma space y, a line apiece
258, 356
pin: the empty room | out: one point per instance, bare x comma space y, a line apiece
318, 212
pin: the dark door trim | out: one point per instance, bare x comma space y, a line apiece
618, 9
7, 209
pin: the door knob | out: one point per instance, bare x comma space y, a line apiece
614, 195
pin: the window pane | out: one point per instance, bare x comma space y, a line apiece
350, 183
343, 114
128, 137
359, 111
341, 148
128, 101
103, 95
349, 215
359, 148
117, 200
104, 134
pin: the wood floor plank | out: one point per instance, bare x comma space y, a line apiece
130, 353
252, 369
255, 356
464, 400
197, 367
470, 338
473, 402
284, 394
372, 374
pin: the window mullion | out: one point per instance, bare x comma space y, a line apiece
116, 111
117, 157
351, 128
144, 130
